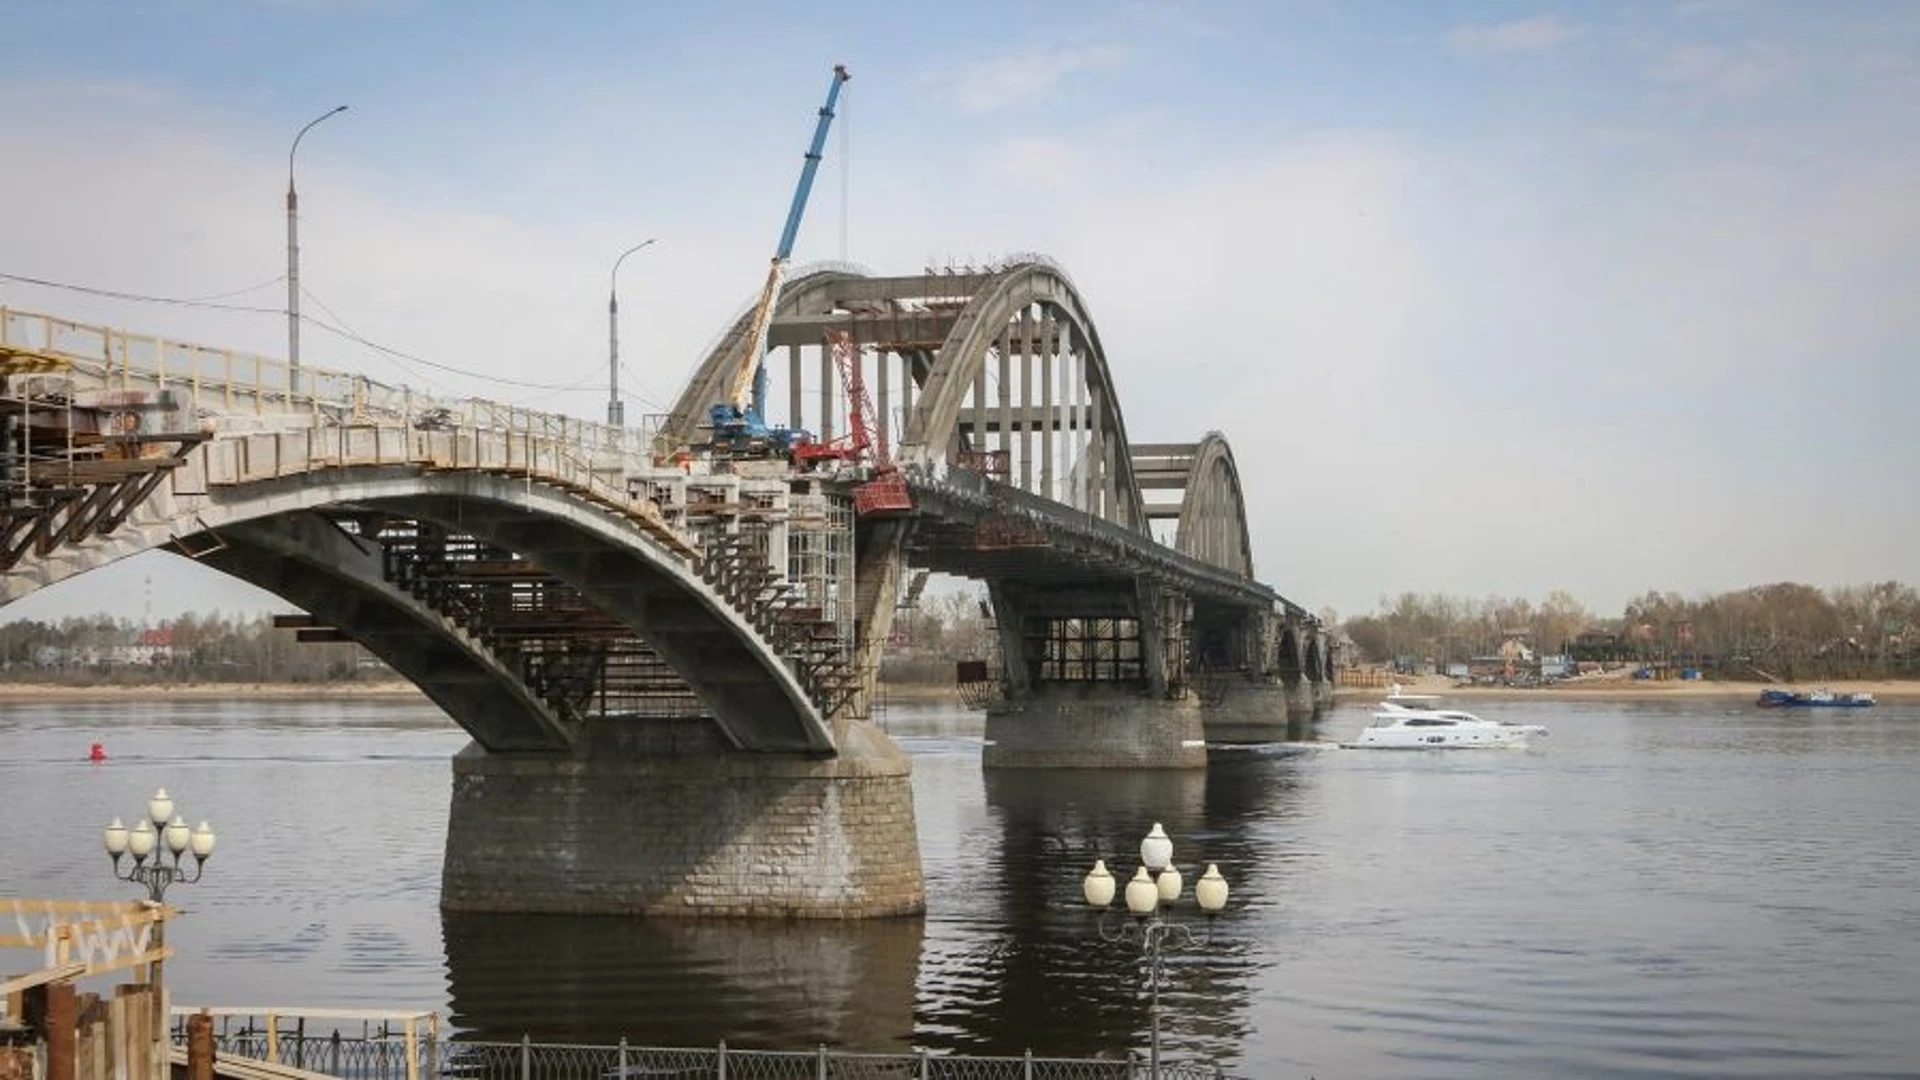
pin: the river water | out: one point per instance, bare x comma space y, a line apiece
1660, 889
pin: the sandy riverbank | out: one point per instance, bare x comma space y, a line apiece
911, 693
1627, 689
899, 693
12, 691
919, 693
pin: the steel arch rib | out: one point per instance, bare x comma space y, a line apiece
1213, 486
936, 413
593, 550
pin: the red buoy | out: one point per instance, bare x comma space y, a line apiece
98, 753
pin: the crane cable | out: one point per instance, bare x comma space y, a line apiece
846, 161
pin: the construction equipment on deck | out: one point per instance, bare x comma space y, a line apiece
739, 423
885, 491
854, 446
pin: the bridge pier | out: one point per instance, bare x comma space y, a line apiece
663, 818
1322, 693
1247, 711
1094, 726
1318, 669
1299, 695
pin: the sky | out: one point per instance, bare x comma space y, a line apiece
1490, 298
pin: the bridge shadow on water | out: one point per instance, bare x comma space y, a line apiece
684, 982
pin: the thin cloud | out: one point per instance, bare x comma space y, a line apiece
1024, 77
131, 95
1687, 9
1520, 35
1729, 72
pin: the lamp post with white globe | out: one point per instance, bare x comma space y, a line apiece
1151, 895
164, 837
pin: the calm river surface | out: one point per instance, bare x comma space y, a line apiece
1660, 889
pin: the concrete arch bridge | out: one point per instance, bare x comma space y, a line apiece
665, 658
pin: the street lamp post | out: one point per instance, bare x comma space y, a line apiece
1150, 894
293, 257
164, 836
616, 412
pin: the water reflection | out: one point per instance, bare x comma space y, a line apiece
681, 982
1659, 888
1045, 979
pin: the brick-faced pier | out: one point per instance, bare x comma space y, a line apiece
661, 818
1094, 726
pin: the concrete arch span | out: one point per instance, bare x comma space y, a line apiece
1212, 512
307, 560
755, 698
807, 291
999, 306
962, 358
1290, 658
1318, 666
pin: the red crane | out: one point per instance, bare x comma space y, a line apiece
853, 446
886, 491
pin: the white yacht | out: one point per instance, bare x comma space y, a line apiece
1418, 722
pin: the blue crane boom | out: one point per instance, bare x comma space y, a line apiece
814, 153
739, 423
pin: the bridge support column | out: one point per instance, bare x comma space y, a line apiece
1094, 726
1322, 691
876, 589
1250, 711
1299, 696
662, 818
1319, 669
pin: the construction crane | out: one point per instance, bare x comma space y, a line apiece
740, 423
854, 445
884, 491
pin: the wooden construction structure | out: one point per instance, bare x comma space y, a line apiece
57, 1032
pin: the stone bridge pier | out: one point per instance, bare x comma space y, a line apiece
663, 818
1242, 697
1093, 677
1304, 665
1262, 677
1142, 677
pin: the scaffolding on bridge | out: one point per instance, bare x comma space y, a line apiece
75, 462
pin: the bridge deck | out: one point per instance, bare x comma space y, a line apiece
1076, 536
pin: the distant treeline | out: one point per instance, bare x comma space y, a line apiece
1787, 630
191, 648
215, 648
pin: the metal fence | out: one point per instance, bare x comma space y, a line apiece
382, 1054
530, 1061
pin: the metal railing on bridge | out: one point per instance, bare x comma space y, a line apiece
237, 387
265, 425
406, 1046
